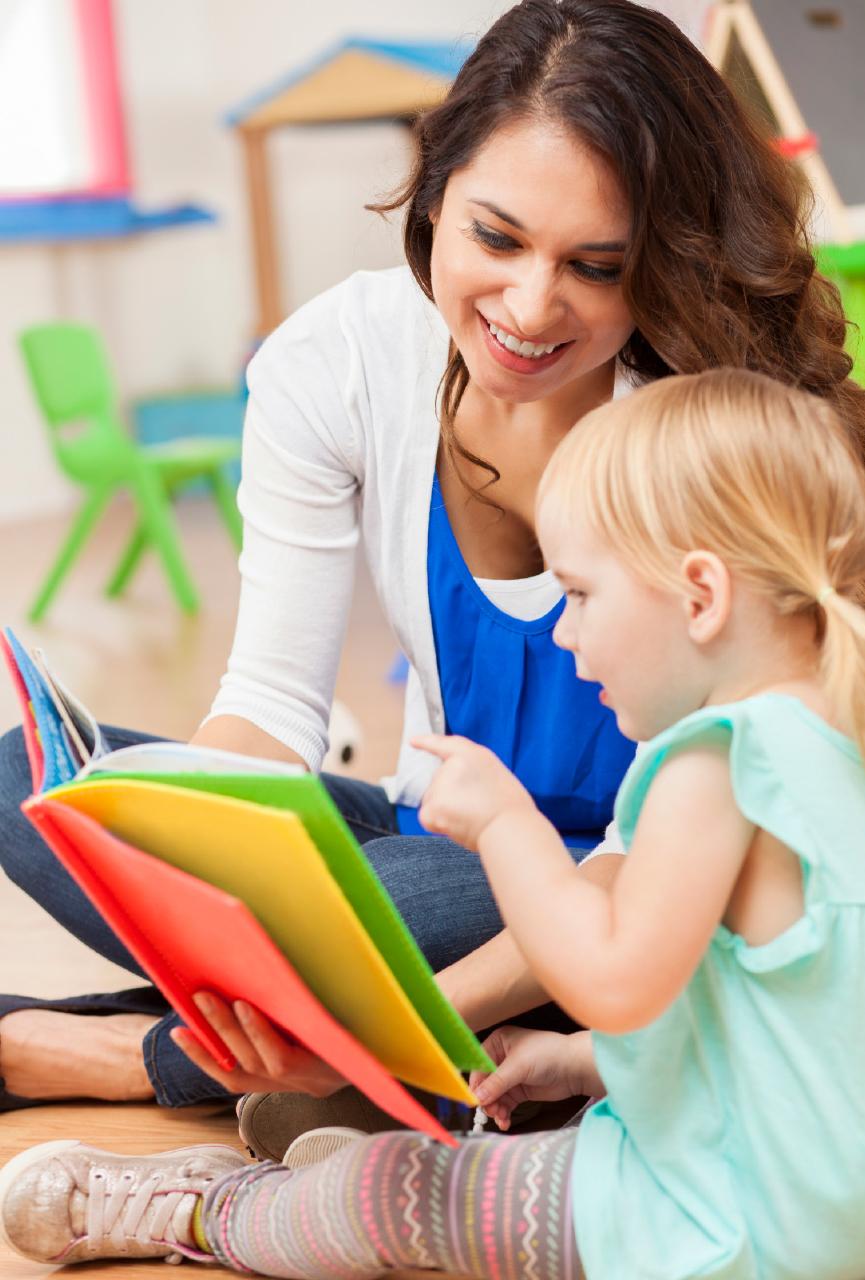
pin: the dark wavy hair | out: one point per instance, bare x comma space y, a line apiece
718, 268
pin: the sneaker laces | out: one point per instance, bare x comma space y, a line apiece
141, 1213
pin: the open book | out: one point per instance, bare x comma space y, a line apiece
236, 875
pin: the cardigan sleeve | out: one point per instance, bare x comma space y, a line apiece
299, 497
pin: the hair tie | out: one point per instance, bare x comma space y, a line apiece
824, 593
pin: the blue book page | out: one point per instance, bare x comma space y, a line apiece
60, 763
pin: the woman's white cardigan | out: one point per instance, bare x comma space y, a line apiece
340, 440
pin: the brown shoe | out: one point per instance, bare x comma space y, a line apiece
62, 1202
269, 1123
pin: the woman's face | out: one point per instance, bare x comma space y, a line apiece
528, 247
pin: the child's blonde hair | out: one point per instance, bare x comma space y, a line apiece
731, 462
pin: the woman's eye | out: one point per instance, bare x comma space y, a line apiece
490, 239
602, 275
501, 243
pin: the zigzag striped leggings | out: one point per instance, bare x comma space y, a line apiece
495, 1208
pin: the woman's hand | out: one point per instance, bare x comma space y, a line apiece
266, 1062
470, 789
537, 1066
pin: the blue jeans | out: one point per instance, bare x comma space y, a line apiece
439, 888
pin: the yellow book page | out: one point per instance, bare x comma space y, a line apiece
266, 858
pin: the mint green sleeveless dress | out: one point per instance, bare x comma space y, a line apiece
732, 1140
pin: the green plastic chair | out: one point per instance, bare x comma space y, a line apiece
845, 265
72, 382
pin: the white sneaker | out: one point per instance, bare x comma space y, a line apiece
317, 1144
63, 1202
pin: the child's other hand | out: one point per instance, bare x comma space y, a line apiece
266, 1061
537, 1066
470, 789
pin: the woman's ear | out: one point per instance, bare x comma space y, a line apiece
708, 595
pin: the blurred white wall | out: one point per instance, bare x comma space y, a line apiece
176, 306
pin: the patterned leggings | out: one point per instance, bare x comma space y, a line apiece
492, 1208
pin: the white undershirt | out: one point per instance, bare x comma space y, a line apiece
530, 598
523, 598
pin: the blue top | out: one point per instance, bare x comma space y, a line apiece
732, 1140
506, 685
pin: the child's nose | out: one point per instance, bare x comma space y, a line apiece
564, 633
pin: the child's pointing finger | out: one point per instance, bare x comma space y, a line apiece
440, 744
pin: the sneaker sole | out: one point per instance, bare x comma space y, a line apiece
16, 1166
316, 1145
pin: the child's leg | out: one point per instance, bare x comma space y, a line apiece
493, 1207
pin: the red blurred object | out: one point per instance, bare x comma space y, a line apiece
792, 148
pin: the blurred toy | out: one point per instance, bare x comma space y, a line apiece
345, 739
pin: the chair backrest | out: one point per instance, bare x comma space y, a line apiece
73, 386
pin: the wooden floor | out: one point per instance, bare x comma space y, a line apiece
141, 663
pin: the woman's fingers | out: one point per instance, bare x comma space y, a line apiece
186, 1041
272, 1049
224, 1022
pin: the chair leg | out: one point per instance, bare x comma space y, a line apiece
226, 499
161, 529
129, 561
90, 512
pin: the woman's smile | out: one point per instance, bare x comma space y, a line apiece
520, 356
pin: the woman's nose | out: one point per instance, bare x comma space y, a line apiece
533, 302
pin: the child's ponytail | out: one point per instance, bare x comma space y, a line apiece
842, 659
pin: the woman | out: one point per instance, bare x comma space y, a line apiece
589, 209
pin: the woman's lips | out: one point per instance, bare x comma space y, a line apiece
519, 364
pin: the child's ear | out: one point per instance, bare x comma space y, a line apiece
708, 595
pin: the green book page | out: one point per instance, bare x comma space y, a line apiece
307, 797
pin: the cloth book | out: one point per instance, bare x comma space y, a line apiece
231, 874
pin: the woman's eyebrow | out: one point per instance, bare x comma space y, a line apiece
592, 246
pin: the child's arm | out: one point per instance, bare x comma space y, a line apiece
494, 982
613, 958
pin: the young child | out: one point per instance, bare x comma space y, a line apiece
709, 534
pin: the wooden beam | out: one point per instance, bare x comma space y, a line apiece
718, 35
737, 17
265, 256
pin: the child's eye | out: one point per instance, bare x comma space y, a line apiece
579, 597
490, 239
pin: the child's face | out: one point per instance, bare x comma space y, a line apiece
628, 636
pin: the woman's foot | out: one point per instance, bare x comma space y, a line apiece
62, 1202
52, 1055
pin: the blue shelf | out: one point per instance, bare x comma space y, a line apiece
81, 219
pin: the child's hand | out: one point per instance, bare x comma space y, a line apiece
266, 1061
541, 1066
470, 789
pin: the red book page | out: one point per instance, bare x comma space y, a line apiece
189, 936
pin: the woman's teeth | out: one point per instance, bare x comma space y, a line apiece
531, 350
